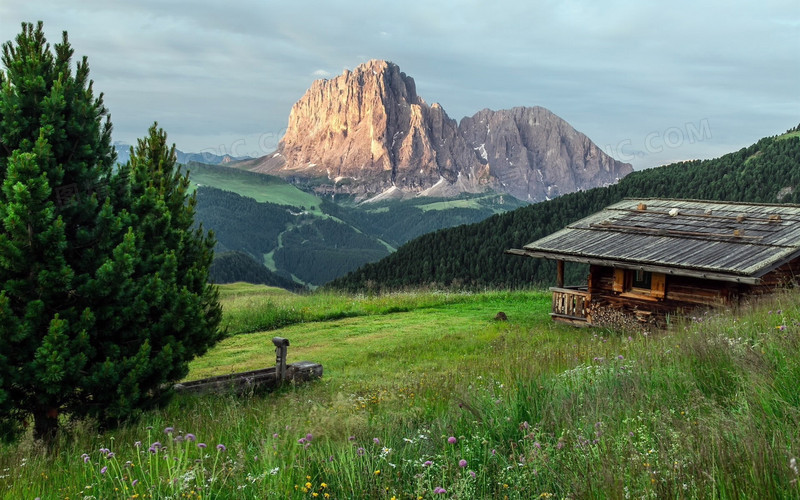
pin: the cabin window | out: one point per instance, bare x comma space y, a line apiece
642, 279
639, 282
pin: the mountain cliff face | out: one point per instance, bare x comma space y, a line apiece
368, 133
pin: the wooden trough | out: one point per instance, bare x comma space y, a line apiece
266, 378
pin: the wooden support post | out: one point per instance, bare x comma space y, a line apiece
560, 273
280, 358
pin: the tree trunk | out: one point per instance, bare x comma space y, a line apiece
45, 424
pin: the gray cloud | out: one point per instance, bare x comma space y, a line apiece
224, 76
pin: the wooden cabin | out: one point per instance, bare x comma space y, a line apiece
652, 257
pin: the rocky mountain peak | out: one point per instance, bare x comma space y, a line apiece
367, 131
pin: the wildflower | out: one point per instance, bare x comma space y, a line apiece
472, 473
323, 485
376, 440
494, 452
137, 444
168, 430
301, 441
190, 437
274, 471
462, 463
85, 458
439, 490
309, 437
360, 452
201, 445
620, 357
103, 470
275, 435
378, 472
110, 454
134, 482
308, 485
427, 463
452, 440
221, 447
351, 438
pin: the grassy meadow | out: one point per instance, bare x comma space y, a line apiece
425, 396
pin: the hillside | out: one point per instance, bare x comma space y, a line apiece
308, 240
767, 171
367, 133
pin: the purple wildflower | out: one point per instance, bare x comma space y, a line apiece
439, 490
110, 454
462, 463
103, 470
153, 450
472, 474
376, 440
201, 445
620, 357
452, 440
301, 441
309, 437
360, 452
85, 458
134, 482
156, 445
275, 436
221, 447
137, 444
190, 437
168, 430
351, 438
427, 463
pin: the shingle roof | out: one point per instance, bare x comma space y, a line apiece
719, 240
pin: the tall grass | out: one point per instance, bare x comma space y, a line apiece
708, 409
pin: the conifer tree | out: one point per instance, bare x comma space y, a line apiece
103, 298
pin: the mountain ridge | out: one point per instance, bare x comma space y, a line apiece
367, 131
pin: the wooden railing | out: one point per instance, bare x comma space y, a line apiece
570, 304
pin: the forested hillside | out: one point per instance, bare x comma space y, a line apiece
472, 256
230, 267
308, 240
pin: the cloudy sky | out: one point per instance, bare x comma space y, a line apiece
649, 82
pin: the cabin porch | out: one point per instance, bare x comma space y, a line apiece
571, 305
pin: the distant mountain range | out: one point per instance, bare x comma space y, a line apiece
368, 134
123, 155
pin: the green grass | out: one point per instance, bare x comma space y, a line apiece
708, 409
262, 188
789, 135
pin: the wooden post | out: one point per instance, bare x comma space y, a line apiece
560, 273
280, 358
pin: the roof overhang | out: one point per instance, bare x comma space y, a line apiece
644, 266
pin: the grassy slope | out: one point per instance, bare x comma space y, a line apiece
262, 188
710, 409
